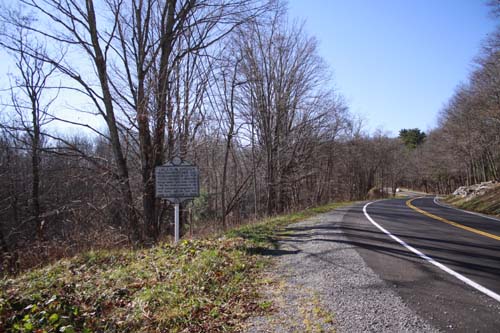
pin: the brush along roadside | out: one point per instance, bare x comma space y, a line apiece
208, 285
485, 202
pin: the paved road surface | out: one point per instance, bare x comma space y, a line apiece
463, 242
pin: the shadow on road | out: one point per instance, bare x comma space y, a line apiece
443, 300
457, 254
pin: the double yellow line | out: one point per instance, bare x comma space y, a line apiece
455, 224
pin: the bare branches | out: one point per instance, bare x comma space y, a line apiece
230, 85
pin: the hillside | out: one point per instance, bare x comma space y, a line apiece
477, 198
207, 285
199, 285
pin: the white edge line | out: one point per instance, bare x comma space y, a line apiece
436, 201
459, 276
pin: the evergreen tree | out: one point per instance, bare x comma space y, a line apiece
412, 137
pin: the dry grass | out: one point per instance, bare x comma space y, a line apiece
197, 286
207, 285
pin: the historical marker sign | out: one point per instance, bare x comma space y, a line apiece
177, 181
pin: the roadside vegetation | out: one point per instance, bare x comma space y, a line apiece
487, 203
206, 285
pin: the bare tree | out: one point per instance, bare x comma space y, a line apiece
284, 74
170, 43
73, 27
31, 98
148, 44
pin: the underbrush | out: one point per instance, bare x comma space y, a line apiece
207, 285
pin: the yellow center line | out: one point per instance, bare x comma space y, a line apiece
455, 224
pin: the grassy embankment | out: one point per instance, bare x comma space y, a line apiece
488, 203
207, 285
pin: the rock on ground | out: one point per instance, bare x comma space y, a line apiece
472, 191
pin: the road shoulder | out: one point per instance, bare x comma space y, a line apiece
318, 282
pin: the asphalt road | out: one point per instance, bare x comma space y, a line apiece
468, 249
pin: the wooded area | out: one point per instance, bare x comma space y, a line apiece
464, 149
232, 86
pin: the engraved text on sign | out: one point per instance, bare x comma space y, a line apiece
181, 181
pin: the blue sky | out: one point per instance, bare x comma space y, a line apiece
397, 62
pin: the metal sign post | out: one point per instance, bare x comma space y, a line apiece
177, 181
176, 220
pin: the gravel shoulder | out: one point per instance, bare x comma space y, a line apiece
319, 283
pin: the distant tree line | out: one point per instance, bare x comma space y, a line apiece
464, 149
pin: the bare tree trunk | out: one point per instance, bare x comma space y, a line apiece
35, 167
224, 174
121, 162
254, 171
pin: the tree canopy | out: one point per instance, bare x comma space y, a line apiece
412, 137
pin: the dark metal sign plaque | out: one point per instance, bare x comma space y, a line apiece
177, 181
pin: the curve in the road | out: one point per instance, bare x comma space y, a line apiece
436, 201
455, 224
432, 261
